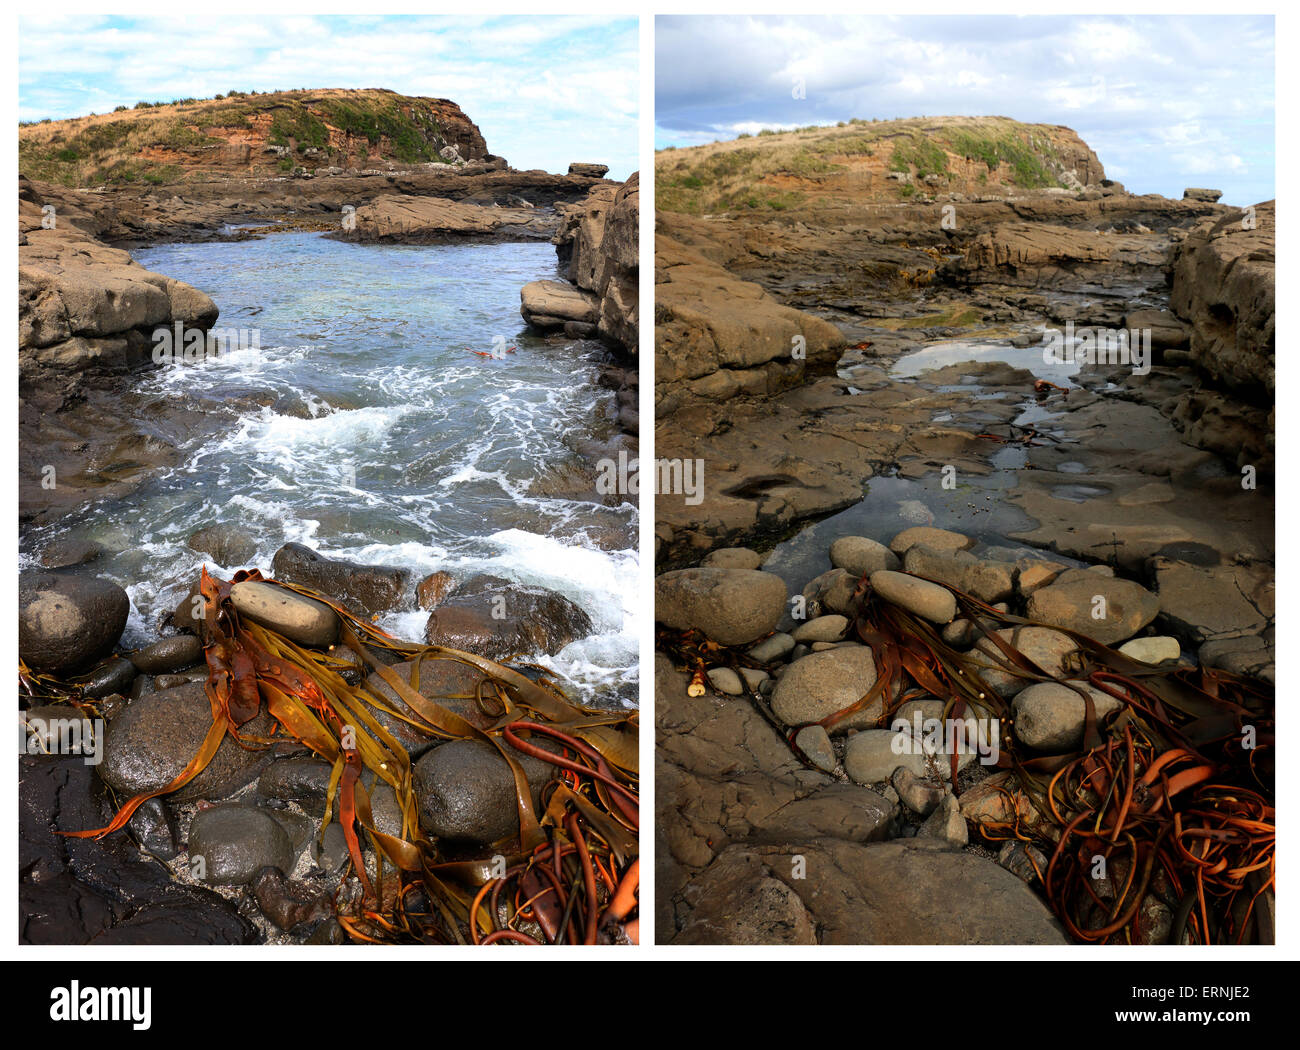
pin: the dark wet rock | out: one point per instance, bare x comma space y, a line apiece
301, 619
430, 591
354, 669
330, 851
304, 780
75, 891
730, 606
154, 826
299, 828
1024, 860
211, 921
467, 792
169, 654
114, 675
912, 892
364, 589
385, 809
498, 618
287, 903
234, 843
57, 729
62, 910
229, 545
448, 683
153, 740
67, 622
188, 615
328, 932
68, 553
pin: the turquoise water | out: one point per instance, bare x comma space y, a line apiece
365, 427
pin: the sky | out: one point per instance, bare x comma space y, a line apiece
1166, 102
544, 90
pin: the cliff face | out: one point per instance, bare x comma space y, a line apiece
1222, 277
716, 336
243, 135
597, 244
83, 306
598, 240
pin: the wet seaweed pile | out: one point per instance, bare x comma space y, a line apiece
1169, 797
569, 877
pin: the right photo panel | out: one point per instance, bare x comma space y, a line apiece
964, 438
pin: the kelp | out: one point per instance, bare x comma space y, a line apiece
1171, 796
573, 866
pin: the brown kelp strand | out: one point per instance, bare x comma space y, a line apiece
1168, 799
570, 875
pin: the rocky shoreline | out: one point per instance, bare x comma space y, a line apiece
87, 315
864, 361
135, 719
87, 311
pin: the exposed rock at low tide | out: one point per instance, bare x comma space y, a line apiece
731, 606
67, 622
498, 618
364, 589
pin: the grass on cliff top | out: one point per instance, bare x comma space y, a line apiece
162, 142
949, 151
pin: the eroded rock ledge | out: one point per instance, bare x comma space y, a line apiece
597, 244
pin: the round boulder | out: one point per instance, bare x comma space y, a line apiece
68, 622
821, 684
234, 843
730, 606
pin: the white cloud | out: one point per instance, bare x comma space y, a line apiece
1161, 97
544, 90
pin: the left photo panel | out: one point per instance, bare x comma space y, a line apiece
328, 610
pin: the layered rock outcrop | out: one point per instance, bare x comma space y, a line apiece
598, 247
405, 219
717, 336
1039, 255
1222, 277
83, 305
